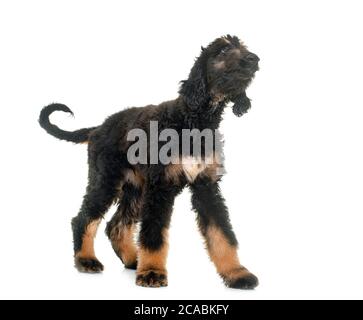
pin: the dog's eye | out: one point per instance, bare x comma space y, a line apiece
223, 51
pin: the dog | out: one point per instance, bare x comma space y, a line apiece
145, 193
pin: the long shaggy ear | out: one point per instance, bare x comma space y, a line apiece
194, 90
241, 105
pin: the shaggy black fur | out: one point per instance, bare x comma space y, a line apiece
220, 74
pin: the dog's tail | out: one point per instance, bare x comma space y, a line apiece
78, 136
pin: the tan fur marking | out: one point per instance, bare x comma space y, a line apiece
237, 273
236, 51
212, 171
173, 172
220, 65
153, 260
87, 249
191, 168
134, 177
217, 97
125, 244
227, 41
221, 252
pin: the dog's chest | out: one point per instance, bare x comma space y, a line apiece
192, 167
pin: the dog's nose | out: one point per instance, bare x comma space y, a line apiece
252, 58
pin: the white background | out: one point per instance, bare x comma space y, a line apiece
295, 161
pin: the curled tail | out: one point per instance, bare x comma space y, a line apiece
77, 136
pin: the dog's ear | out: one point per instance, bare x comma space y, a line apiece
194, 89
241, 105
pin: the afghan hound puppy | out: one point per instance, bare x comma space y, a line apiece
145, 191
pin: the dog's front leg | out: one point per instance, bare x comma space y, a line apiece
216, 228
153, 238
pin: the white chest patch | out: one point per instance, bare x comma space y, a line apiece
192, 167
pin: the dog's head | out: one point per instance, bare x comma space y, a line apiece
221, 73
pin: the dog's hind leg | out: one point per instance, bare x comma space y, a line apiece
102, 189
216, 228
121, 228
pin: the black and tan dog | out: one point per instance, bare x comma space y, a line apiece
145, 192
